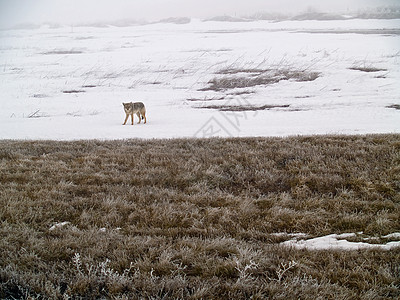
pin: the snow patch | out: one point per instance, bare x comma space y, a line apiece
395, 235
59, 225
339, 242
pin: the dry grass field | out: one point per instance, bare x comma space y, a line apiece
197, 218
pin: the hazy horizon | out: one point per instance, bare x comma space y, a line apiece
13, 12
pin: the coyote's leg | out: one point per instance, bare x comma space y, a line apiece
132, 118
126, 119
138, 115
144, 116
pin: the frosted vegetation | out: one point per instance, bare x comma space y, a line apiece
201, 218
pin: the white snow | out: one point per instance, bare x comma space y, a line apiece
339, 242
59, 225
164, 65
395, 235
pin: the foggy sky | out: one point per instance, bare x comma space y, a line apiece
13, 12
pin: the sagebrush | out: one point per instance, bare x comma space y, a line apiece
197, 218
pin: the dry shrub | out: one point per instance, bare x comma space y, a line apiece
367, 69
394, 106
245, 78
195, 218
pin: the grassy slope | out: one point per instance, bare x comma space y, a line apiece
194, 218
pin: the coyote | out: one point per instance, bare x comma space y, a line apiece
134, 108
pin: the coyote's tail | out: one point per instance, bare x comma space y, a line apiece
142, 117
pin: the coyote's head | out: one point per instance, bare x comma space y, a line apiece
128, 107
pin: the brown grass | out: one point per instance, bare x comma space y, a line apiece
194, 218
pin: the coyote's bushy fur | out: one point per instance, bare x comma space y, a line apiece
137, 108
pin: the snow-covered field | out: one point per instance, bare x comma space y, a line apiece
69, 83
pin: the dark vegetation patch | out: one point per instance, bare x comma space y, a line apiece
383, 31
155, 82
195, 218
65, 52
37, 114
205, 99
303, 97
227, 19
39, 96
179, 20
218, 98
243, 107
253, 71
73, 91
318, 16
368, 69
245, 78
395, 106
